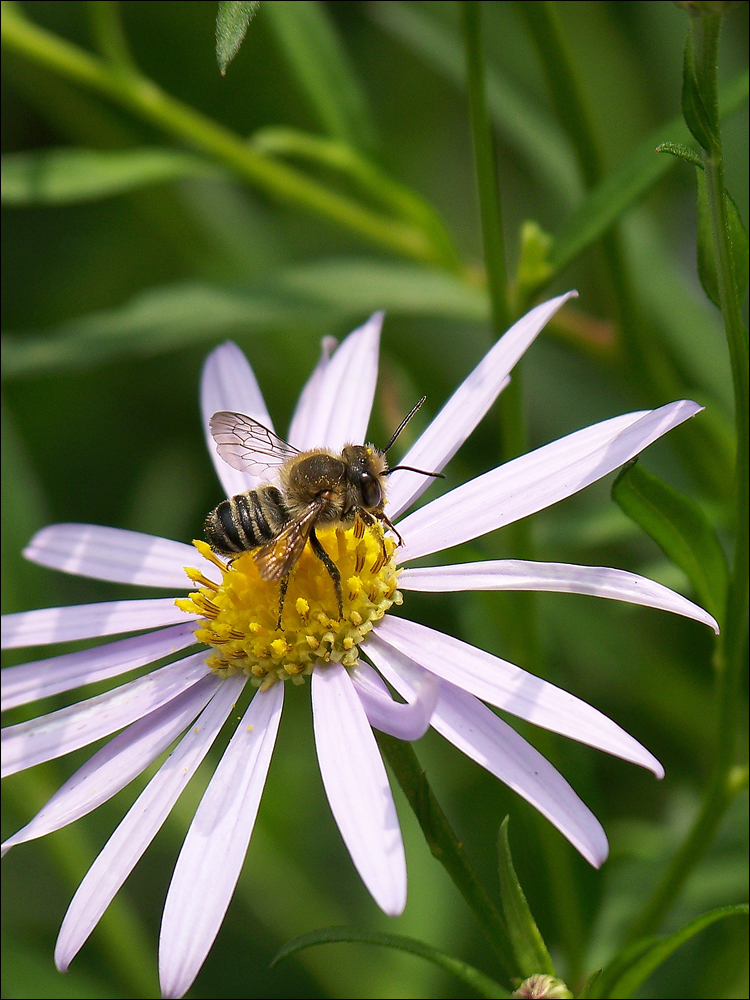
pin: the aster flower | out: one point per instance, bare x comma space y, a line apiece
232, 613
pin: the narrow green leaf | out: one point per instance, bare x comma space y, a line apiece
232, 20
536, 137
307, 295
24, 512
484, 986
693, 107
629, 182
379, 187
154, 322
738, 244
679, 527
585, 992
56, 176
634, 965
680, 150
533, 261
528, 945
315, 53
353, 284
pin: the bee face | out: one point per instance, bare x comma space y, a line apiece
366, 471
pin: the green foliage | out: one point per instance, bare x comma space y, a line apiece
60, 176
232, 21
681, 530
630, 970
482, 984
528, 945
738, 245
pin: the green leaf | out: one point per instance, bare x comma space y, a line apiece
484, 986
632, 967
316, 55
533, 262
738, 244
57, 176
153, 322
528, 945
379, 187
694, 109
24, 512
681, 151
680, 528
629, 182
585, 991
231, 24
535, 136
306, 296
362, 285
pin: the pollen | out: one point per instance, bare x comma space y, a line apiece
239, 616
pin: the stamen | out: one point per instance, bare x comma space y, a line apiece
240, 616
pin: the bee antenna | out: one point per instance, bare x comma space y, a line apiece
403, 424
410, 468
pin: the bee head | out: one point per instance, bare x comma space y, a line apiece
365, 469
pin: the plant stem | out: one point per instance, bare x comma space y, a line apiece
150, 102
523, 635
445, 846
726, 780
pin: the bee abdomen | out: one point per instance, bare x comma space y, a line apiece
246, 520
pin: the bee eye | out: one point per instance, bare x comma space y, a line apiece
370, 488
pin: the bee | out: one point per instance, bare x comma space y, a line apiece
315, 487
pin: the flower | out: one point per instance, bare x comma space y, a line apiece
444, 681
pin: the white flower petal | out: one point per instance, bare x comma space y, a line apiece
30, 681
346, 390
406, 722
305, 411
88, 621
535, 480
117, 763
228, 383
211, 857
480, 734
357, 787
561, 578
114, 554
508, 687
58, 733
466, 407
141, 824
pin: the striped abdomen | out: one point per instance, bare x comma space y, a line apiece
246, 521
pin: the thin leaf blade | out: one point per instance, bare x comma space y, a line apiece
64, 176
528, 945
484, 986
232, 21
315, 53
680, 528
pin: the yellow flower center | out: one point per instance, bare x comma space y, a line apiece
240, 615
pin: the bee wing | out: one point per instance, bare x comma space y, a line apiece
276, 558
247, 445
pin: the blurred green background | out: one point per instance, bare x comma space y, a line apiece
110, 306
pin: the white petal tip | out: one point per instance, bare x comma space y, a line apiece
394, 911
62, 962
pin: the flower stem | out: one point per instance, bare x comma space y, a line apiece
445, 846
144, 97
727, 779
522, 625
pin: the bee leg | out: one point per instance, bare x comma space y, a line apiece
367, 518
392, 526
282, 595
331, 566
